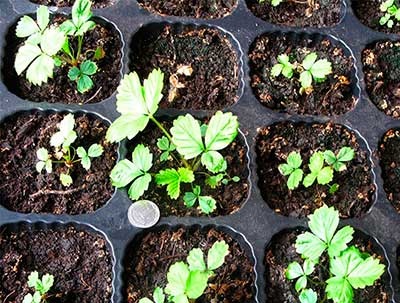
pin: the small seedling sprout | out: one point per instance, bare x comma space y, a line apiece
41, 287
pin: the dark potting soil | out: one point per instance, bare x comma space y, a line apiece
24, 190
389, 152
381, 63
62, 3
356, 190
214, 81
149, 259
79, 261
334, 96
281, 252
298, 13
229, 198
369, 13
60, 89
206, 9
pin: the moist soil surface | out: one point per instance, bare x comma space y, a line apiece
148, 262
281, 252
298, 13
206, 9
334, 96
369, 13
24, 190
229, 198
389, 151
79, 261
214, 81
356, 190
60, 89
62, 3
381, 63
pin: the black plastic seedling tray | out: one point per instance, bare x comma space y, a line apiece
255, 223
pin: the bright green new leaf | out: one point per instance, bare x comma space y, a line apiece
207, 204
66, 134
139, 186
321, 69
196, 284
123, 173
177, 277
173, 178
339, 290
221, 131
216, 255
292, 169
65, 179
306, 79
126, 126
145, 300
309, 61
95, 150
213, 161
294, 270
186, 136
158, 295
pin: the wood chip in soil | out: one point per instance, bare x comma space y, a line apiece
229, 198
63, 3
24, 190
369, 13
334, 96
205, 9
381, 63
281, 252
389, 153
150, 257
60, 89
80, 262
214, 82
355, 195
298, 13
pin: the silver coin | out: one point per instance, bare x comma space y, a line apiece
143, 214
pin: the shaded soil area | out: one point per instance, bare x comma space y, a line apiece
24, 190
79, 261
334, 96
381, 64
389, 152
63, 3
281, 252
214, 81
369, 13
321, 13
206, 9
229, 198
60, 89
355, 195
150, 257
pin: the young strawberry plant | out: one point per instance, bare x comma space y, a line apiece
349, 268
41, 287
322, 166
49, 46
187, 281
308, 71
64, 153
190, 148
392, 13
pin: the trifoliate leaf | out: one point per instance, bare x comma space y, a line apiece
65, 179
207, 204
186, 136
195, 259
173, 178
222, 130
216, 255
324, 222
177, 277
139, 186
214, 181
95, 150
310, 246
196, 284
